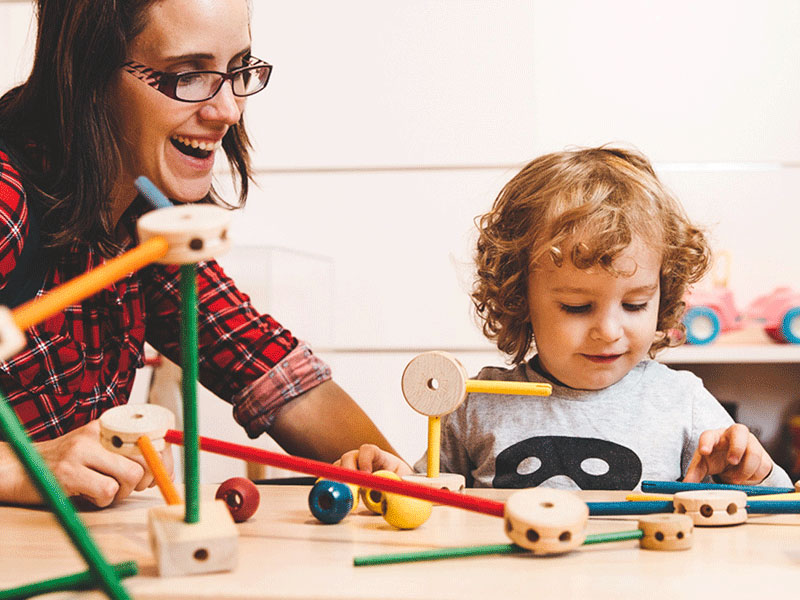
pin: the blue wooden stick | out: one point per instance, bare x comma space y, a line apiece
773, 507
629, 507
670, 487
148, 189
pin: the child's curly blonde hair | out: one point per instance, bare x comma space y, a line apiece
585, 206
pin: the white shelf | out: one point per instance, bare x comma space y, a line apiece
747, 346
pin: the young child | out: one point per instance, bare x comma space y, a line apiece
585, 258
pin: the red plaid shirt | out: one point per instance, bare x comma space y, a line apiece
82, 361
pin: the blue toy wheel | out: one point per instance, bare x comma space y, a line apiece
790, 325
330, 501
702, 325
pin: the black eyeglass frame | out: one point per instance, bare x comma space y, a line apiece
167, 83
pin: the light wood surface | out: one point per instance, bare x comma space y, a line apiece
285, 553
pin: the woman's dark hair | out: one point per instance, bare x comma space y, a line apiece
59, 122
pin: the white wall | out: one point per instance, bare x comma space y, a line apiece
387, 127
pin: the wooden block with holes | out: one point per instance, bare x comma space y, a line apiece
546, 521
181, 548
712, 507
666, 532
455, 482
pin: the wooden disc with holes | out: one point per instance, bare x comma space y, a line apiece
194, 232
121, 426
546, 521
434, 383
712, 507
666, 532
454, 482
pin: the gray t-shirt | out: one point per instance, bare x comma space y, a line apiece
644, 427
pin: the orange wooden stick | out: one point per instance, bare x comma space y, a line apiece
37, 310
160, 474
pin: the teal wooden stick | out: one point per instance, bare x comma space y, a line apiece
75, 583
191, 445
49, 489
670, 487
629, 507
460, 552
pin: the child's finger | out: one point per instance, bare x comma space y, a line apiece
697, 469
708, 440
349, 460
737, 437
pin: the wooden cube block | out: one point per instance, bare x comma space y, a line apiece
208, 546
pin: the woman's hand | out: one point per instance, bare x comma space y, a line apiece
83, 468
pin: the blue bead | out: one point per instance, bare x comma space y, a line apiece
330, 501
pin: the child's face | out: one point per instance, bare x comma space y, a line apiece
590, 327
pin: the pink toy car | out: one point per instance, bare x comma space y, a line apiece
711, 312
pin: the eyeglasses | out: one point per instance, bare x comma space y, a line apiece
199, 86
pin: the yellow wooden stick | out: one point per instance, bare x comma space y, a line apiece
786, 496
160, 474
648, 497
434, 445
37, 310
517, 388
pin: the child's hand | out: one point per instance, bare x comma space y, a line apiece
734, 454
371, 458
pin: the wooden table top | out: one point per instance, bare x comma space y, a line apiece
285, 553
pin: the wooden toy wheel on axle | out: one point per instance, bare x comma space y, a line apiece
194, 232
712, 507
666, 532
122, 426
546, 521
434, 383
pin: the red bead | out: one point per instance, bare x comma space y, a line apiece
242, 497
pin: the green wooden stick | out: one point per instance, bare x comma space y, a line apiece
191, 445
441, 553
77, 582
49, 489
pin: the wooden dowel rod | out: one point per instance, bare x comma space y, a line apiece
629, 508
81, 287
517, 388
73, 583
189, 370
328, 471
491, 549
648, 497
670, 487
434, 445
153, 460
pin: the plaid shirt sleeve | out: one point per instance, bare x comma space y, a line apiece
13, 218
245, 358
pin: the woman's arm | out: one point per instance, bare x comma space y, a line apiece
324, 423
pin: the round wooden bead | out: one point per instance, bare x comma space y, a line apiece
194, 232
372, 498
241, 497
330, 501
122, 426
404, 512
434, 383
666, 532
712, 507
354, 489
454, 482
546, 521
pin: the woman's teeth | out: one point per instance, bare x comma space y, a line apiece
196, 148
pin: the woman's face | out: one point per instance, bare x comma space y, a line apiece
158, 132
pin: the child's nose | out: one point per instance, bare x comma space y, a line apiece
607, 327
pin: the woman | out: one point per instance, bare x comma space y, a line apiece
117, 90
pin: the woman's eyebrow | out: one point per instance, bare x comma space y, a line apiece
202, 56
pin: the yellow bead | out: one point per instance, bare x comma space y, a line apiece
404, 512
373, 498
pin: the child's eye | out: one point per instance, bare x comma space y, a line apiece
576, 309
635, 307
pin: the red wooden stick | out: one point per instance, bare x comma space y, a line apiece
361, 478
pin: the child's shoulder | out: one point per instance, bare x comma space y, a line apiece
519, 372
653, 371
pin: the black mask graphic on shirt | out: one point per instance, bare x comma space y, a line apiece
560, 455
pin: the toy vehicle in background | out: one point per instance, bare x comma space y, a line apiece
712, 312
